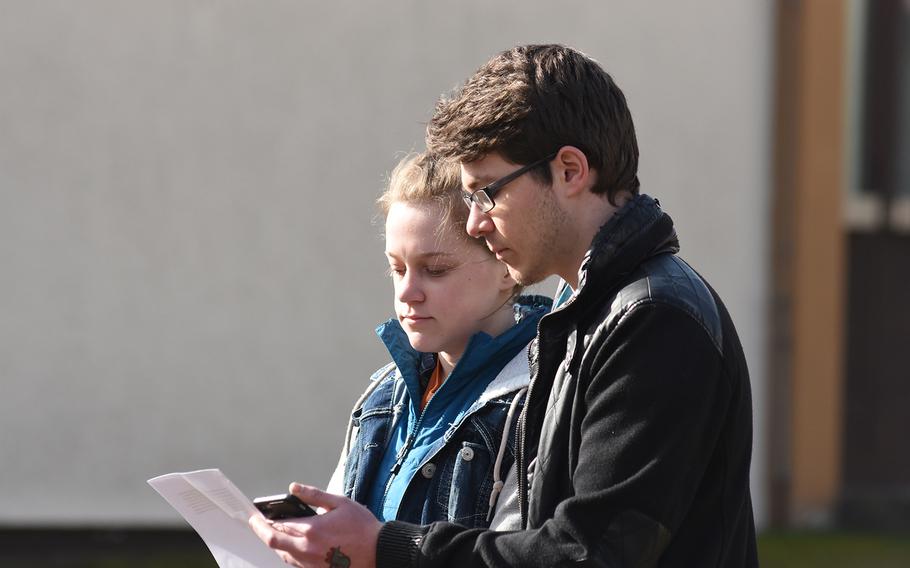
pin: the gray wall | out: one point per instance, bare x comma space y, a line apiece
189, 268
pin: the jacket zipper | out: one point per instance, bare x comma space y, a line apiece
524, 498
522, 472
405, 449
399, 459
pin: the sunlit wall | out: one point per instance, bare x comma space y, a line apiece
190, 268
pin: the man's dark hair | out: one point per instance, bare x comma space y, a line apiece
531, 100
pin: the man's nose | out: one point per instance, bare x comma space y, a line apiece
479, 223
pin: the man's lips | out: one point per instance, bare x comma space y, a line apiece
414, 318
495, 249
499, 252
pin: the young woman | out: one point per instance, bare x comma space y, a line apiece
433, 436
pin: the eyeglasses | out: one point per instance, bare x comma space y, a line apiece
483, 197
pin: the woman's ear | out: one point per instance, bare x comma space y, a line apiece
506, 282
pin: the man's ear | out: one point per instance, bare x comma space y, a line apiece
571, 171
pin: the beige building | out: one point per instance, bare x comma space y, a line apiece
837, 375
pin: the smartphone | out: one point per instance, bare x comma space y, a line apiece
284, 506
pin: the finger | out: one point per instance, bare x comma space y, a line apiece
261, 526
258, 519
293, 529
313, 496
267, 534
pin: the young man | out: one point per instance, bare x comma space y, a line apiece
636, 436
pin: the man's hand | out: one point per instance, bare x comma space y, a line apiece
344, 536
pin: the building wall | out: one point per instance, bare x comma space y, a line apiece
190, 268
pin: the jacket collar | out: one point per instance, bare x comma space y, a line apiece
482, 349
637, 231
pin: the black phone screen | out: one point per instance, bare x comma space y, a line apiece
276, 507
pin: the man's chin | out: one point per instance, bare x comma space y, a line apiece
524, 278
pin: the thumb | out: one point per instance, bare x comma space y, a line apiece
313, 496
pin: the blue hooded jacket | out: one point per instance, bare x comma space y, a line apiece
393, 463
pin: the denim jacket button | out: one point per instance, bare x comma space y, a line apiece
467, 454
428, 470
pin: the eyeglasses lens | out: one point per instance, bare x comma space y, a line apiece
483, 201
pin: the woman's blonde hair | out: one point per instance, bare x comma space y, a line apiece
423, 180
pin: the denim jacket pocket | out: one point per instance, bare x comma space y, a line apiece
366, 453
470, 470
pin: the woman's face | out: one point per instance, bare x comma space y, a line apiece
446, 287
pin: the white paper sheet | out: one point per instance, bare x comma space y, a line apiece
218, 511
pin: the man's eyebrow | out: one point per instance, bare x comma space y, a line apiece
478, 182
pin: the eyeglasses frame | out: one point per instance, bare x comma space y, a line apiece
491, 189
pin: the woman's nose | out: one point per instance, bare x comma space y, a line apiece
409, 288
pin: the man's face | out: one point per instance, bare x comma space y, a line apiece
525, 226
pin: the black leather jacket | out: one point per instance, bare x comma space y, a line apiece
637, 430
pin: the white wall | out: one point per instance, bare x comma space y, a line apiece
189, 273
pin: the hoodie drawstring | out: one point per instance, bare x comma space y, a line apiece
503, 444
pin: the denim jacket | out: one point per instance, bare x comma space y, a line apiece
450, 463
